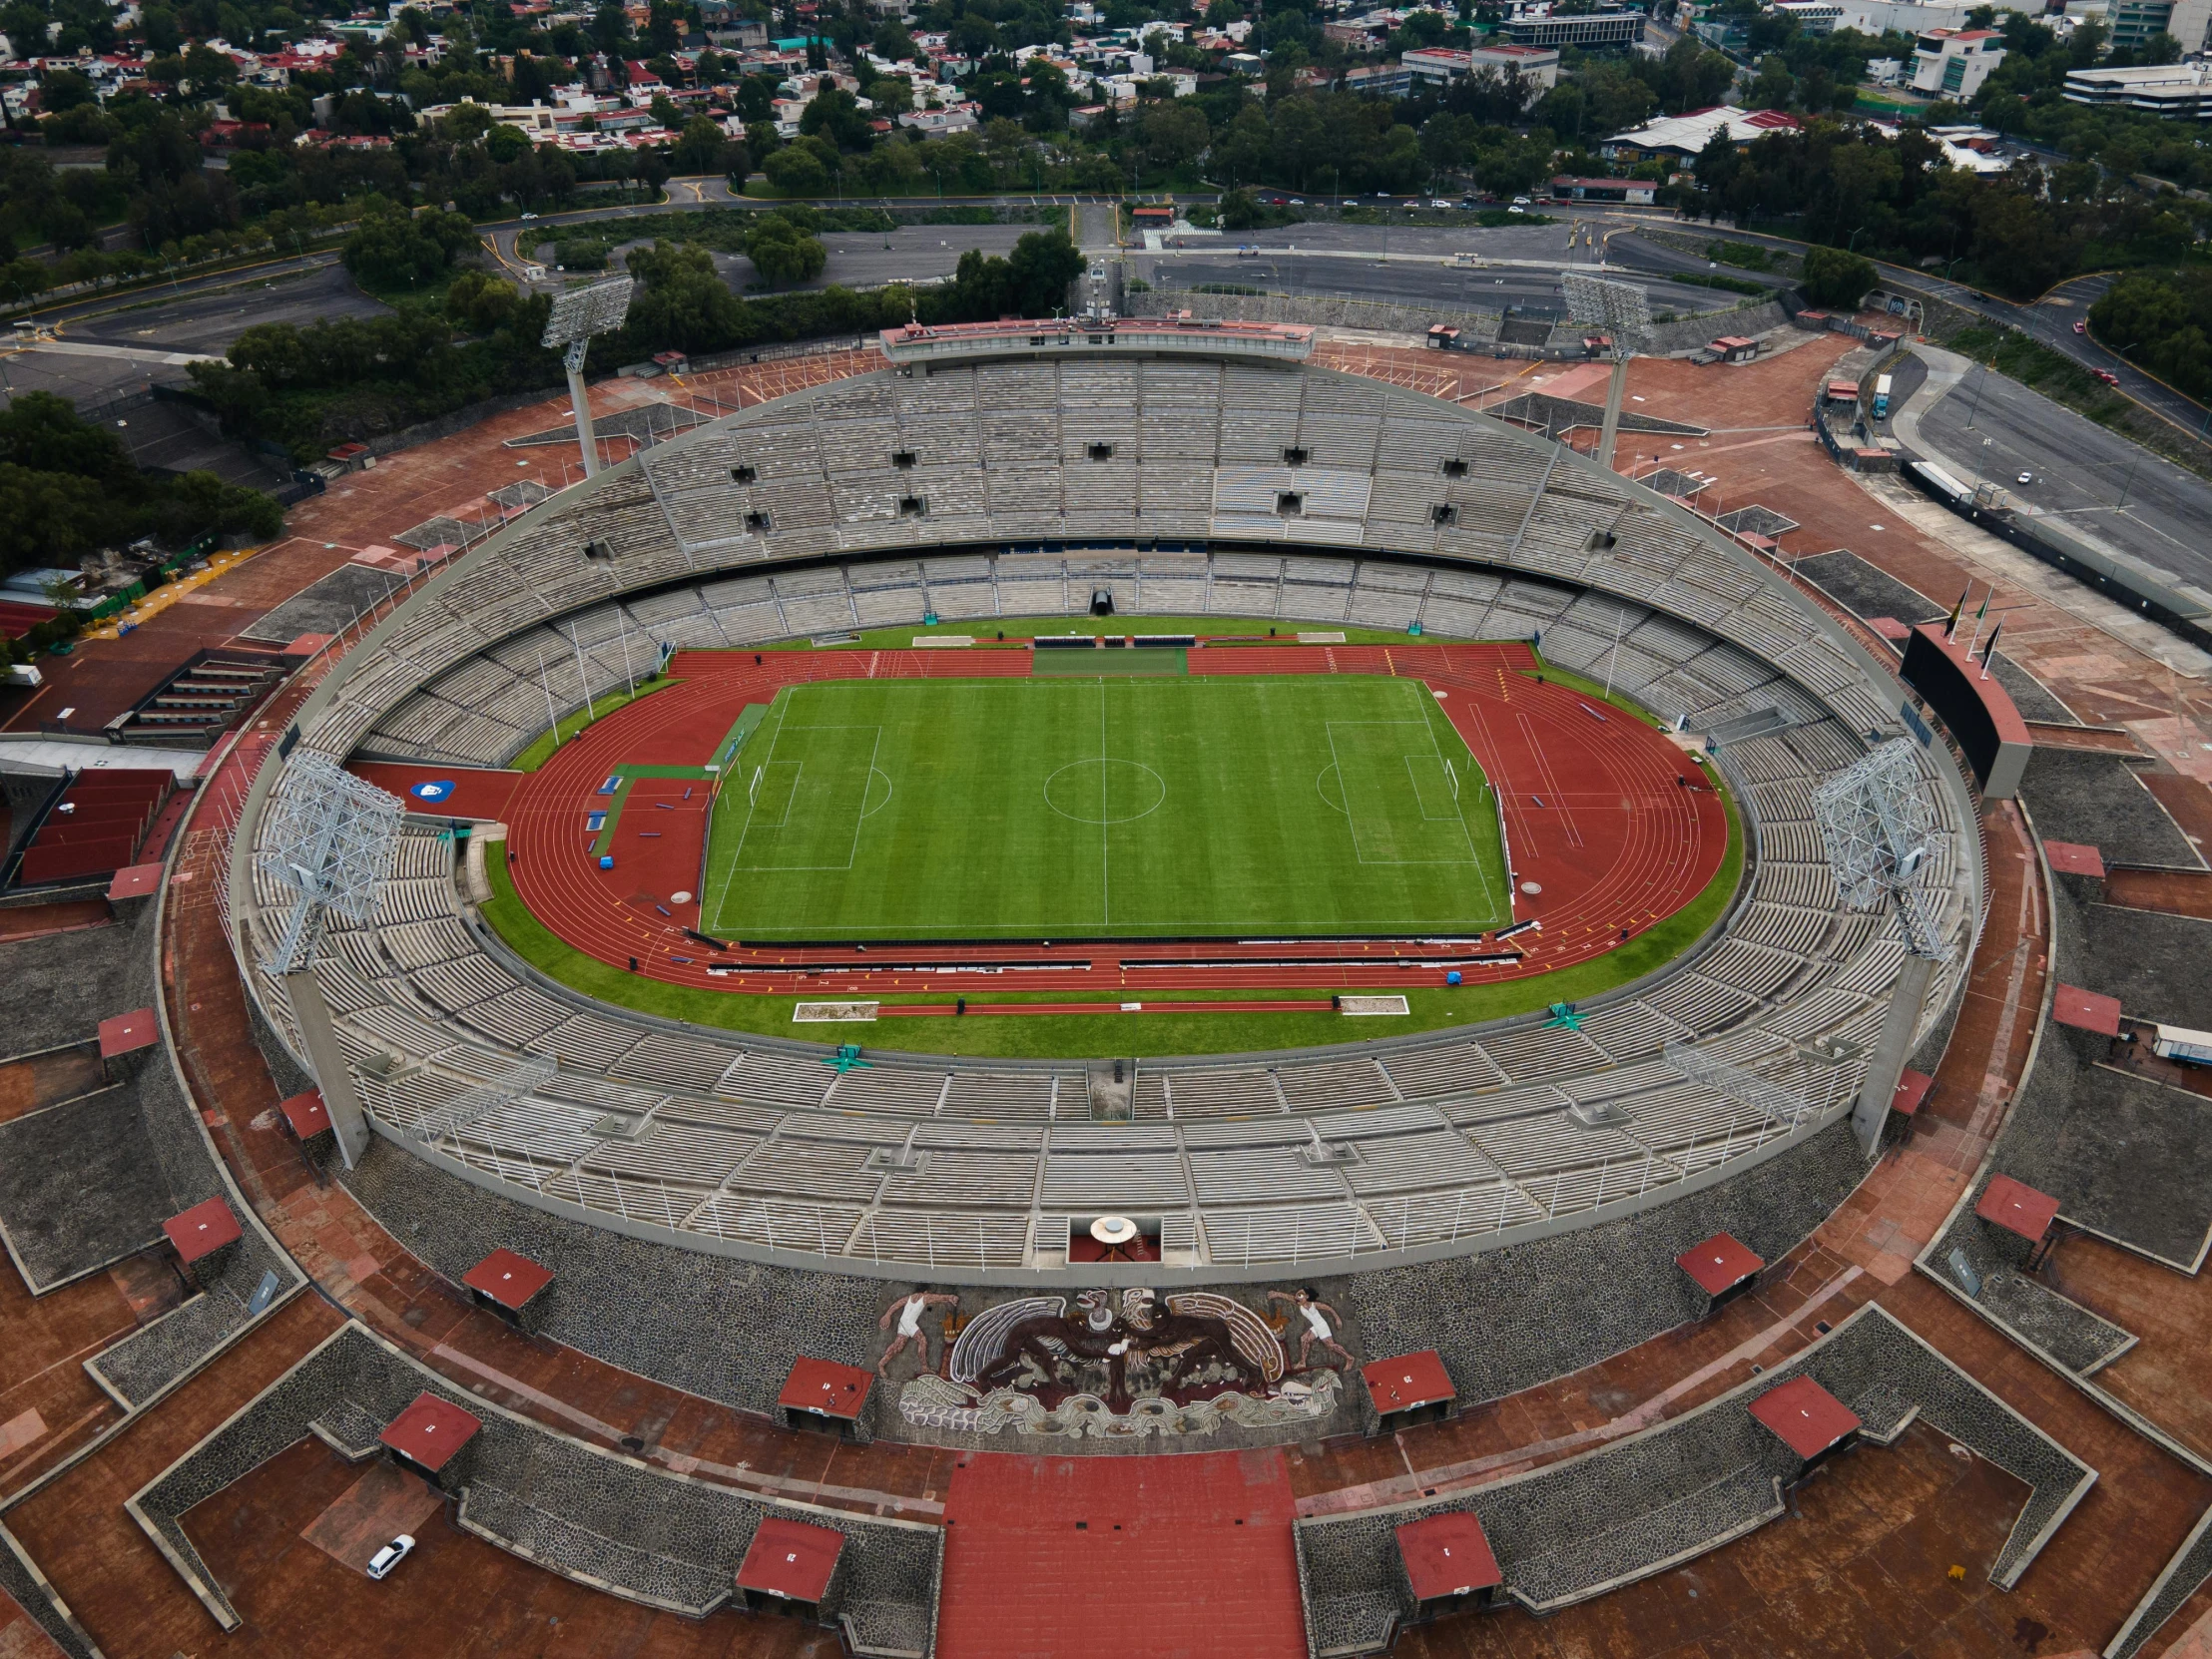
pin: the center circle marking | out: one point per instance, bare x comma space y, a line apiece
1104, 792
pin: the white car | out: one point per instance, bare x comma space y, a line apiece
2027, 477
529, 216
381, 1563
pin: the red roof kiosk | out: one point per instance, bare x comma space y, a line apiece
1448, 1564
789, 1567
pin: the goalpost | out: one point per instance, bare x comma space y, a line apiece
1452, 775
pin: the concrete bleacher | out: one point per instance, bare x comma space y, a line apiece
600, 1517
1573, 1529
734, 1156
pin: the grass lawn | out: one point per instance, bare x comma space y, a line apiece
1103, 806
1056, 1036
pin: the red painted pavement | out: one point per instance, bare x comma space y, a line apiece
1161, 1569
1594, 815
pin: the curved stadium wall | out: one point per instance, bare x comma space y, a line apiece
982, 487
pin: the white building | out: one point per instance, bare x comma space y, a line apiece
1953, 63
2181, 91
1537, 66
1815, 16
1873, 17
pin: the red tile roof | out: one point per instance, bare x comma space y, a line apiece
2075, 858
1912, 1089
1805, 1416
1408, 1380
1448, 1555
305, 1113
430, 1432
126, 1034
508, 1279
790, 1558
825, 1388
1719, 1264
202, 1230
2087, 1010
2017, 1208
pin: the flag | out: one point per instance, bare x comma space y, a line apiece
1989, 655
1951, 627
1977, 616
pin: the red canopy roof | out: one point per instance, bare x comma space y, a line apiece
1408, 1380
1805, 1416
305, 1113
2017, 1208
2087, 1010
135, 882
1719, 1264
508, 1279
430, 1432
1448, 1555
1912, 1089
202, 1230
823, 1386
790, 1558
2075, 858
124, 1033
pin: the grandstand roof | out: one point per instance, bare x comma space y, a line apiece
305, 1113
1808, 1418
429, 1431
138, 882
202, 1230
126, 1034
1719, 1264
2086, 1011
791, 1559
825, 1389
2017, 1208
1448, 1555
508, 1279
1408, 1380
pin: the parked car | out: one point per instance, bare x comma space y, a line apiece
381, 1563
2107, 375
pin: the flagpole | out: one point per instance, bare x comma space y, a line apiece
1977, 618
1989, 655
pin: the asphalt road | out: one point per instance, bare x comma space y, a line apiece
2088, 479
2049, 319
209, 320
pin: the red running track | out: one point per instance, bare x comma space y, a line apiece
1596, 817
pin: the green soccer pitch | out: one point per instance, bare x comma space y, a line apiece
1084, 808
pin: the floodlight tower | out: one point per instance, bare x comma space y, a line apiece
1624, 312
329, 839
1880, 830
579, 316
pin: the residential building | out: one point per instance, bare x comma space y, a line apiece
2178, 91
1537, 66
1586, 30
1954, 62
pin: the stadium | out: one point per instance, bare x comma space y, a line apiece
1101, 973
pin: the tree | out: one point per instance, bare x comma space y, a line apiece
206, 67
797, 169
1836, 278
396, 249
704, 149
1175, 132
782, 251
682, 301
